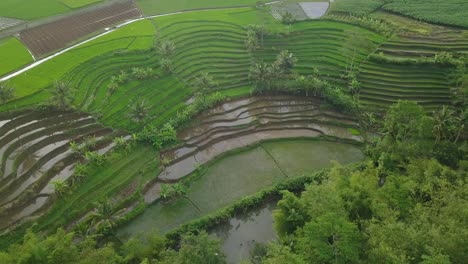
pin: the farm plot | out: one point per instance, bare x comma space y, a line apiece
39, 8
13, 55
35, 150
244, 122
383, 84
448, 12
46, 38
322, 45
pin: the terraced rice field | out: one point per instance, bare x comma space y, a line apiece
34, 151
226, 181
322, 45
385, 84
215, 47
414, 46
244, 122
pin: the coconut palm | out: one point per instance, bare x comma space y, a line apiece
204, 83
285, 61
62, 95
105, 217
138, 111
262, 75
166, 65
288, 18
445, 124
6, 92
259, 31
166, 48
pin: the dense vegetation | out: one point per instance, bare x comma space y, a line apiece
152, 77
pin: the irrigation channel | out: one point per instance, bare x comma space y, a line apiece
245, 145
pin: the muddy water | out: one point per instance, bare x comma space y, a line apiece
241, 233
239, 175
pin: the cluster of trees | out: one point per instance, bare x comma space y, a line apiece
279, 77
62, 247
255, 36
123, 77
405, 206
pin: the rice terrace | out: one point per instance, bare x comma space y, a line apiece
233, 131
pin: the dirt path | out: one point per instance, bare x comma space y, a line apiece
41, 61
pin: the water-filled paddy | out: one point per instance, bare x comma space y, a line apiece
239, 175
242, 233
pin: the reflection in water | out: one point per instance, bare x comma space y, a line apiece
240, 235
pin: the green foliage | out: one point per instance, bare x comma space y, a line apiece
289, 215
448, 12
285, 61
62, 95
330, 238
355, 7
407, 134
138, 111
173, 191
7, 92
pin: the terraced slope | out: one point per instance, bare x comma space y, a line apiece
383, 84
34, 151
322, 44
248, 121
215, 47
415, 46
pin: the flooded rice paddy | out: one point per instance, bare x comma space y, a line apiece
241, 174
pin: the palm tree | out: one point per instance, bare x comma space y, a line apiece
252, 41
262, 74
60, 187
288, 18
138, 111
166, 49
285, 61
203, 83
62, 95
105, 217
258, 30
445, 124
166, 65
6, 92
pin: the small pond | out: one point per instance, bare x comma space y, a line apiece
240, 235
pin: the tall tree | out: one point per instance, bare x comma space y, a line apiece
7, 92
204, 83
166, 49
285, 61
62, 95
138, 111
105, 217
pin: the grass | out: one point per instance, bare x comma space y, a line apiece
118, 172
355, 7
447, 12
41, 8
30, 86
151, 7
13, 55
